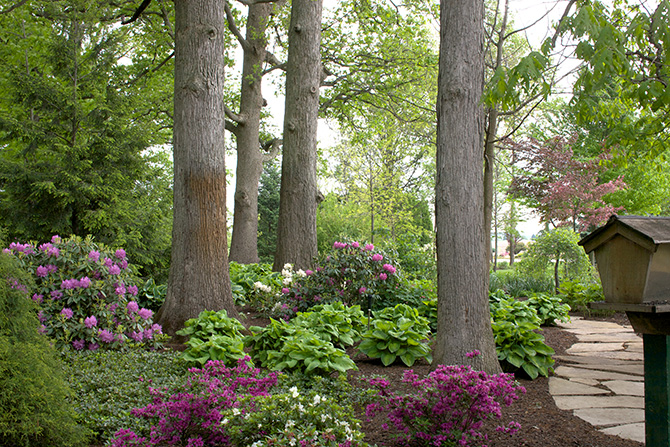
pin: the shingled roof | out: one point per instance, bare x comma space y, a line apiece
649, 232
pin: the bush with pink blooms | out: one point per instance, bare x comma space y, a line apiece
448, 407
86, 294
352, 273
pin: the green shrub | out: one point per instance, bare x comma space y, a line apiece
578, 294
109, 384
213, 336
397, 332
246, 278
549, 308
517, 284
518, 344
33, 390
292, 418
428, 309
152, 295
86, 293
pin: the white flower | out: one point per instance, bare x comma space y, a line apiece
257, 444
224, 422
236, 411
287, 281
317, 400
300, 273
288, 267
290, 423
301, 408
258, 285
294, 391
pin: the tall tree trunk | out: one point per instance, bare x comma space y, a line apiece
244, 241
489, 144
296, 234
199, 278
464, 322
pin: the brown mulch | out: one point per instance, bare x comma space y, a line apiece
543, 424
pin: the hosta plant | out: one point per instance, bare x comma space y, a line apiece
213, 336
339, 324
519, 345
307, 353
397, 332
549, 308
87, 294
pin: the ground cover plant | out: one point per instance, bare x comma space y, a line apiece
86, 293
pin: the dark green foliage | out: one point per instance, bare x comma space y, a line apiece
268, 211
32, 386
109, 384
336, 323
213, 336
75, 133
516, 284
579, 294
151, 295
397, 332
519, 345
549, 308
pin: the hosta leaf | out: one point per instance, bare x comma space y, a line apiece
388, 358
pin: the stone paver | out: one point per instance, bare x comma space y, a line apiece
602, 378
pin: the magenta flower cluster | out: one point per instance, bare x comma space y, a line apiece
83, 290
446, 408
192, 414
349, 274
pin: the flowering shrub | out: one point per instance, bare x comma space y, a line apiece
446, 408
213, 336
191, 414
350, 274
397, 332
294, 418
86, 294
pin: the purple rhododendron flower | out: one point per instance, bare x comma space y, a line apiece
7, 251
56, 294
85, 282
339, 245
132, 307
362, 290
45, 247
389, 268
132, 290
137, 336
383, 276
78, 344
51, 268
67, 313
42, 329
355, 244
38, 298
106, 336
112, 307
93, 346
94, 255
377, 257
41, 316
145, 314
114, 270
120, 253
120, 290
41, 271
55, 239
69, 284
90, 322
53, 251
148, 334
124, 264
157, 328
472, 354
308, 272
285, 290
108, 262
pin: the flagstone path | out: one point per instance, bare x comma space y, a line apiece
601, 377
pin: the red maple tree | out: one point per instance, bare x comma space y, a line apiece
562, 188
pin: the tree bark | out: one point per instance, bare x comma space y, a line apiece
244, 241
199, 278
296, 234
464, 322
